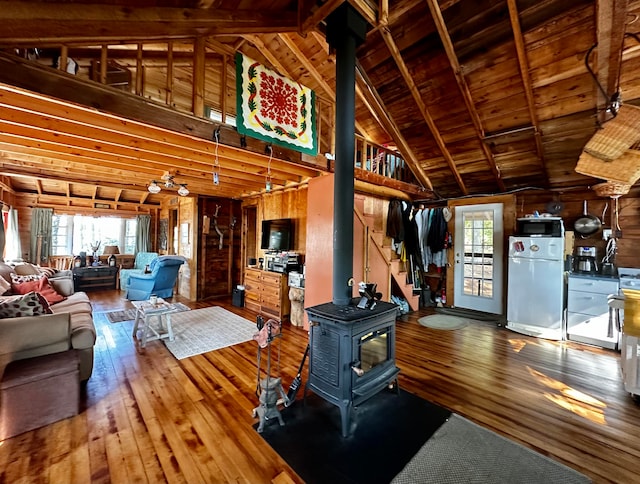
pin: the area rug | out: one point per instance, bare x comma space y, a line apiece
387, 431
443, 321
461, 451
130, 314
202, 330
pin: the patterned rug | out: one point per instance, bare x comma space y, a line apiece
202, 330
443, 321
130, 314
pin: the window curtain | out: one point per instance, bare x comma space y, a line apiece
143, 233
40, 235
13, 247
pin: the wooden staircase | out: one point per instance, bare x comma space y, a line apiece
382, 263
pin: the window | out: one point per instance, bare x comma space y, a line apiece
74, 234
216, 115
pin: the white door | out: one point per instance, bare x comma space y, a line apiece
478, 273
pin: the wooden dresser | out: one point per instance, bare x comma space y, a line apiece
267, 293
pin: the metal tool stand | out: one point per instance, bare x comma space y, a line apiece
269, 388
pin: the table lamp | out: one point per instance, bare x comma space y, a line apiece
111, 251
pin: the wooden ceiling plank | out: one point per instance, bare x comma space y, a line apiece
129, 134
415, 93
374, 98
368, 11
308, 65
67, 22
443, 32
523, 64
166, 123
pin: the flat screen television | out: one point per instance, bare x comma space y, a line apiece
277, 235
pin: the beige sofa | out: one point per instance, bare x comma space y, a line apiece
69, 327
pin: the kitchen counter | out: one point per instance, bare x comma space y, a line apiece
604, 277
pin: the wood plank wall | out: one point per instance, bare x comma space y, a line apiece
572, 202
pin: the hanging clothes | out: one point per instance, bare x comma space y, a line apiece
395, 226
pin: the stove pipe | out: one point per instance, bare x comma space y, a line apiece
346, 29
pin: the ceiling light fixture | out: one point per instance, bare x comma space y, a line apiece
154, 187
183, 191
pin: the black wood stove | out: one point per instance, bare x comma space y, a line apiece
352, 354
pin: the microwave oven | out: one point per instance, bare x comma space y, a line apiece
539, 227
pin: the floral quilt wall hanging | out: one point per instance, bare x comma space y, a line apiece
273, 108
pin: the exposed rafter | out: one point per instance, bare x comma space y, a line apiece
364, 84
523, 63
415, 93
436, 13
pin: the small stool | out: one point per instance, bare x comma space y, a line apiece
615, 303
39, 391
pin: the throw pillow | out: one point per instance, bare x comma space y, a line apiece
4, 285
26, 269
19, 279
41, 286
47, 271
30, 304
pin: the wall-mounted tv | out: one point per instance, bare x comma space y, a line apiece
277, 234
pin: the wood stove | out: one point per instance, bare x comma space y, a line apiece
352, 354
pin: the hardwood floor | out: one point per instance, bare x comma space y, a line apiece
147, 417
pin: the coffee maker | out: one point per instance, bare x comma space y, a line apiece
585, 261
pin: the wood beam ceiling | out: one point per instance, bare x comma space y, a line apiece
523, 64
443, 32
415, 93
67, 23
364, 85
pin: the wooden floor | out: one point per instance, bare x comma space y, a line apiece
147, 417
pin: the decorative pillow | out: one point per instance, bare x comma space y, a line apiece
4, 285
26, 269
47, 271
31, 304
41, 286
18, 279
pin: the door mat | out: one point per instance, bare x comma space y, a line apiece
475, 315
387, 431
130, 314
443, 321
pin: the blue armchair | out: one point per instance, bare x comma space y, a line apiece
143, 259
164, 272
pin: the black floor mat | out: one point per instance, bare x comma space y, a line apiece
386, 432
471, 314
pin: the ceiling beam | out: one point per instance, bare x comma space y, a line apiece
417, 98
34, 23
523, 64
368, 91
310, 15
443, 32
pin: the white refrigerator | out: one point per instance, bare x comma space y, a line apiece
536, 286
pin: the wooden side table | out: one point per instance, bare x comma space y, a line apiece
146, 313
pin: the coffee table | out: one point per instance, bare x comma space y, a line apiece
146, 313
